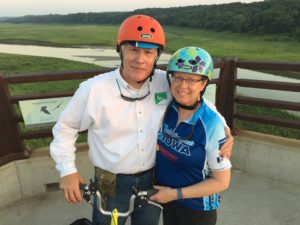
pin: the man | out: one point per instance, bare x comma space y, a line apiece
122, 111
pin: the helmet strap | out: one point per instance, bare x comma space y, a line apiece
204, 89
120, 51
150, 76
168, 74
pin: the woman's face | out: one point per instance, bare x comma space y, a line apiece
186, 87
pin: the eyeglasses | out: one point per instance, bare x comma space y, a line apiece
129, 99
189, 81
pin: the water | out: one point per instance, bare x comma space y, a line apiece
108, 57
102, 56
268, 94
263, 93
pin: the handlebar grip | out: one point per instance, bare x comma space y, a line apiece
151, 192
83, 187
145, 193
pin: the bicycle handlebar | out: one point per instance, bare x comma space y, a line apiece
91, 189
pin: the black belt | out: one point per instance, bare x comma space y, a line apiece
138, 174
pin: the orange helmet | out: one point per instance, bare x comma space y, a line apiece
141, 28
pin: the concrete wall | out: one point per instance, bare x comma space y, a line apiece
263, 155
10, 190
267, 156
24, 178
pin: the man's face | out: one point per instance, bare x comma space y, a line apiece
137, 64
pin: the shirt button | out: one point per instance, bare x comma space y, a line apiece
141, 131
142, 150
140, 112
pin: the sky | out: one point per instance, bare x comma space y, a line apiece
14, 8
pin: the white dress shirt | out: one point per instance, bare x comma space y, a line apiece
122, 135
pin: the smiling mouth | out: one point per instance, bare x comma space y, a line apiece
182, 93
138, 68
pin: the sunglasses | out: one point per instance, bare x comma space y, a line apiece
129, 99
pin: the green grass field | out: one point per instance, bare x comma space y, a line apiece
58, 35
17, 64
219, 44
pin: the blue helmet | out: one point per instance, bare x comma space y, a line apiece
192, 60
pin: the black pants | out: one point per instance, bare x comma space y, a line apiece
178, 215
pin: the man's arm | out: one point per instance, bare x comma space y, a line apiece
226, 149
62, 149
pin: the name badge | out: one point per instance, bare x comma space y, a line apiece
160, 98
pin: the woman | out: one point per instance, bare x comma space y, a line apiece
189, 169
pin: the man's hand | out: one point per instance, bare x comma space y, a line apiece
70, 186
226, 149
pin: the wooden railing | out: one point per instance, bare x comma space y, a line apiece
273, 85
12, 138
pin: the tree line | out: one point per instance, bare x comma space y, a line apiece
267, 17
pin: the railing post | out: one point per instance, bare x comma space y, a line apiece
227, 91
11, 145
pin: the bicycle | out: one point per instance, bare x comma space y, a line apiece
91, 190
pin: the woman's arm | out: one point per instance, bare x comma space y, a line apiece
218, 182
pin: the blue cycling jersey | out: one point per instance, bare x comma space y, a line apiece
188, 151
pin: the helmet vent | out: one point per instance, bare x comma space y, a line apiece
140, 28
193, 62
146, 36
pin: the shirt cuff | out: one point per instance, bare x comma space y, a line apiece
67, 169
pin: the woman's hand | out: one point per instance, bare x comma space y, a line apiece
164, 194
